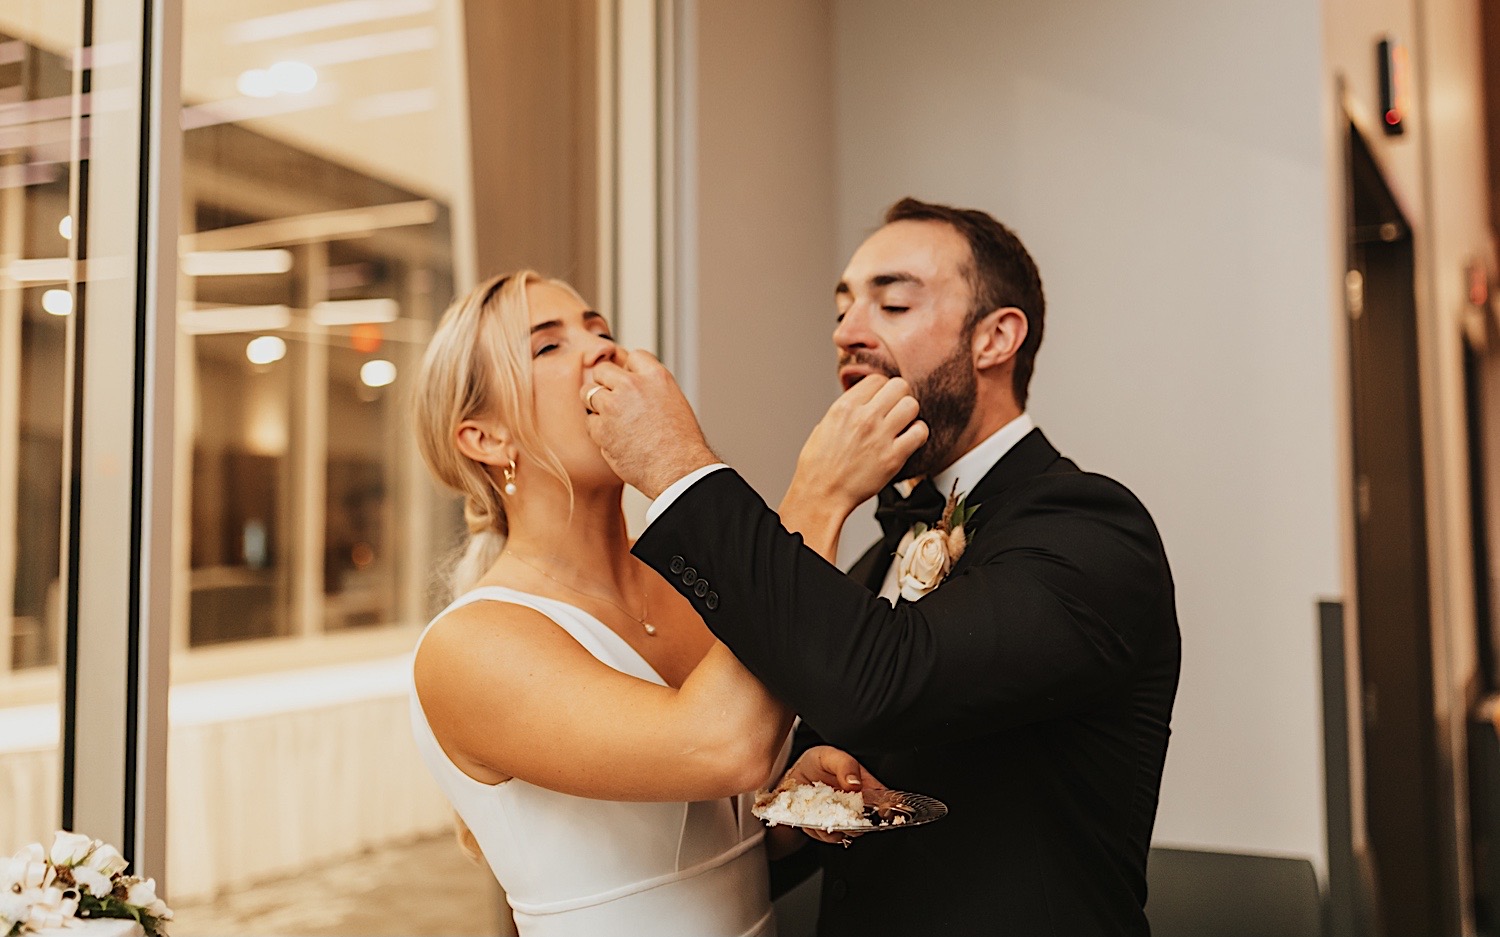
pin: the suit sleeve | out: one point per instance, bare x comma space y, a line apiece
1050, 615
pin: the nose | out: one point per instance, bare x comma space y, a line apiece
601, 349
853, 331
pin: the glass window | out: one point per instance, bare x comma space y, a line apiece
37, 44
326, 214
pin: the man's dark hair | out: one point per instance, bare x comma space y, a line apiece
1000, 273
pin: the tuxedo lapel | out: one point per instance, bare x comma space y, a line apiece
869, 570
1027, 459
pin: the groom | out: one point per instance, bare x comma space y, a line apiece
1026, 679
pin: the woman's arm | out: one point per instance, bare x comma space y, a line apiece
505, 689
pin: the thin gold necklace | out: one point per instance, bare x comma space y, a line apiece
645, 596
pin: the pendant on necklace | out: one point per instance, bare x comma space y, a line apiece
650, 628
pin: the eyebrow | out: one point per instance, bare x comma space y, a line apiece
589, 315
880, 280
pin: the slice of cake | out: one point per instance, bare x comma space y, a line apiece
814, 805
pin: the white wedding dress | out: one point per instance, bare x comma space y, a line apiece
577, 867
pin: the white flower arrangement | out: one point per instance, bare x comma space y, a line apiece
926, 555
78, 878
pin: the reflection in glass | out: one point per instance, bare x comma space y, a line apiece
317, 250
36, 305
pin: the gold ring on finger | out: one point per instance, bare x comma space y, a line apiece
588, 398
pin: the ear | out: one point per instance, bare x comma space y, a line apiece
998, 337
486, 443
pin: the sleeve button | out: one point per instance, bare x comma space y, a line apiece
701, 589
712, 601
677, 565
689, 576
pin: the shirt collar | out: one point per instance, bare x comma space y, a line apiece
973, 465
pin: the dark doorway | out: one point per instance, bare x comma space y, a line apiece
1402, 790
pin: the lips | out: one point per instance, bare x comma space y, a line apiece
848, 377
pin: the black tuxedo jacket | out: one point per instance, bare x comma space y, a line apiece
1031, 692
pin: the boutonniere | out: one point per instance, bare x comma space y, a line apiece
926, 555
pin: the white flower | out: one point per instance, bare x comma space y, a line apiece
32, 853
14, 908
48, 907
107, 861
95, 883
24, 872
70, 848
143, 895
922, 563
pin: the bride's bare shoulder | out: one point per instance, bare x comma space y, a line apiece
482, 624
489, 642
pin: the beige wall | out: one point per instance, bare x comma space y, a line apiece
763, 198
1177, 169
1164, 163
533, 137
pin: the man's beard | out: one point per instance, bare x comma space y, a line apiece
947, 395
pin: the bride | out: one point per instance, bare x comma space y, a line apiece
579, 716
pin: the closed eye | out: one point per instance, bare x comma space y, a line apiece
543, 350
895, 308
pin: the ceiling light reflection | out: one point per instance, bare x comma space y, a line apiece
57, 302
293, 77
236, 263
267, 349
256, 83
219, 320
324, 16
377, 372
355, 311
282, 78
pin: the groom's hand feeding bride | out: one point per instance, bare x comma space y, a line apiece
651, 437
1009, 646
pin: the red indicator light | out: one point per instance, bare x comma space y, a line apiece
1393, 117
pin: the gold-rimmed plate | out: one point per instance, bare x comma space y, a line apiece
884, 809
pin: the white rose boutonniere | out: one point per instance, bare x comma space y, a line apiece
926, 555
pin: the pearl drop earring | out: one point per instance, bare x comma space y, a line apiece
510, 478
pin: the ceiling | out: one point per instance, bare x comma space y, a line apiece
388, 98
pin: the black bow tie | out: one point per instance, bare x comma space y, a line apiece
897, 515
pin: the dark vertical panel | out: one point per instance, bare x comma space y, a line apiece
1404, 800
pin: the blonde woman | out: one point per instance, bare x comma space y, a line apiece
580, 717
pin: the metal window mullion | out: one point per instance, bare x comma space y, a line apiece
310, 452
119, 613
12, 230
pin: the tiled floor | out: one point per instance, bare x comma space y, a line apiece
425, 888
